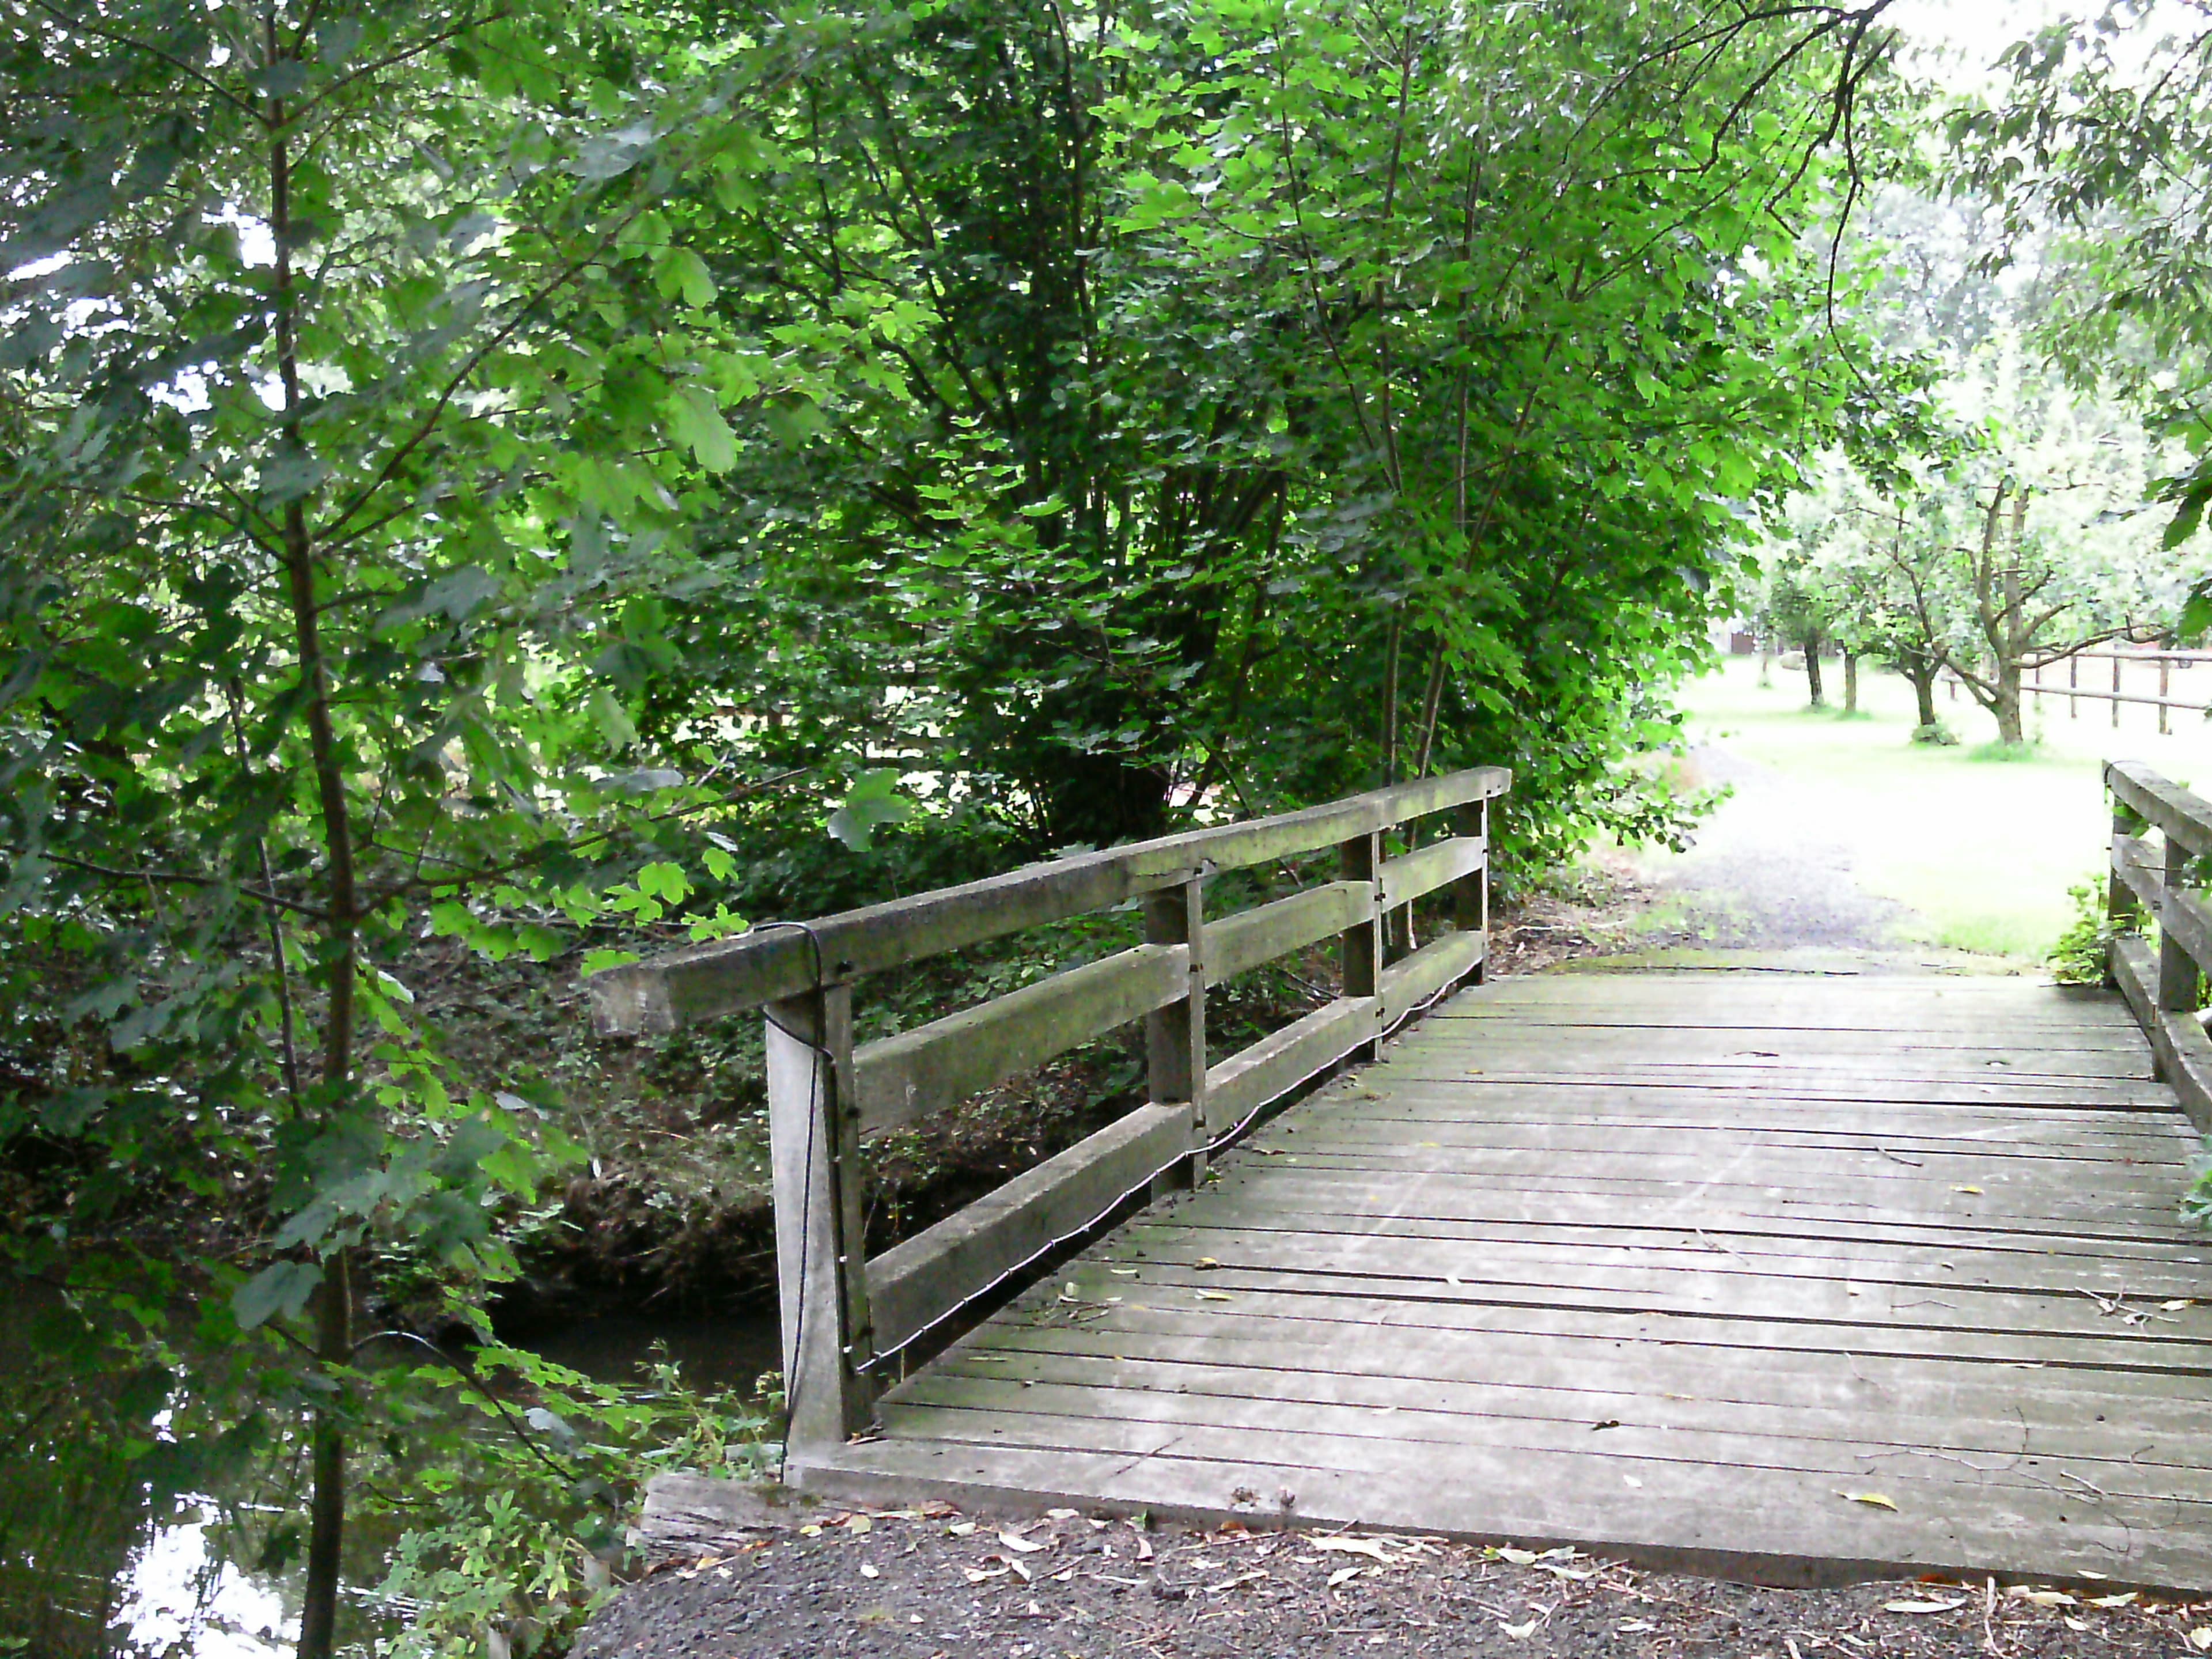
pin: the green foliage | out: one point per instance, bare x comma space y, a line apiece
2079, 957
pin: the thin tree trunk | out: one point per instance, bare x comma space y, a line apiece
1850, 683
1813, 671
1923, 676
334, 1308
2011, 732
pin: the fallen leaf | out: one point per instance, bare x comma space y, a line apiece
1519, 1632
1016, 1542
961, 1528
1240, 1578
1924, 1607
859, 1523
1059, 1515
1021, 1569
1206, 1262
2201, 1638
810, 1532
2176, 1305
977, 1575
868, 1571
1344, 1576
1632, 1480
2041, 1598
2120, 1601
1976, 1191
1518, 1557
1371, 1547
1872, 1500
1215, 1295
2073, 1624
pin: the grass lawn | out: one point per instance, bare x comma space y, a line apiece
1982, 848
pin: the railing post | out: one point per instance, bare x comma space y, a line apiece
2122, 912
1471, 893
820, 1244
2165, 690
1175, 1037
1360, 859
2177, 969
2116, 691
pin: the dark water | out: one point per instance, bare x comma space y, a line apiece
87, 1570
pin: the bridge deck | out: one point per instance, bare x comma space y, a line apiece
1799, 1276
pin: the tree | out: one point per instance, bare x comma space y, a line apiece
353, 375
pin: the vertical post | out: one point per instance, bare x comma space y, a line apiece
2177, 969
1360, 859
2073, 681
1471, 893
2116, 690
2165, 690
1398, 941
2121, 908
1175, 1037
820, 1250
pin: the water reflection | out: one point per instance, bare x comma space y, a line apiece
95, 1564
182, 1596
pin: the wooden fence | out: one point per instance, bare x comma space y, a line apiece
2163, 881
2074, 690
842, 1314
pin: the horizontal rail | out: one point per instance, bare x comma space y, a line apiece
2180, 813
1405, 879
914, 1284
706, 980
2111, 696
902, 1078
1238, 944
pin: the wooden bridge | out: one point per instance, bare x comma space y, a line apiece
1798, 1275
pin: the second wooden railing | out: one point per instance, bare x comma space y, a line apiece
2162, 880
842, 1312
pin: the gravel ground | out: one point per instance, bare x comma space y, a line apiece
1764, 876
935, 1584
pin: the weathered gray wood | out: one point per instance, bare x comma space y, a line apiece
1281, 1061
2185, 932
724, 977
1839, 1265
1471, 895
934, 1065
915, 1284
2184, 1061
1239, 943
2133, 972
1437, 865
2176, 812
1410, 981
814, 1148
1175, 1036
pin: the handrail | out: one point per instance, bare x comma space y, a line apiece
2157, 881
844, 1315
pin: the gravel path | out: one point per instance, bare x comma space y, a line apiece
910, 1585
1765, 876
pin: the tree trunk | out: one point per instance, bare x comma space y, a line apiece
2006, 706
1850, 683
1766, 661
1812, 671
1921, 672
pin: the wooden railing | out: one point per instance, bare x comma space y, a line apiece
841, 1313
2158, 880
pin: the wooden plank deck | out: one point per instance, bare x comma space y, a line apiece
1688, 1267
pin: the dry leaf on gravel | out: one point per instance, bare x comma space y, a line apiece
1016, 1542
1368, 1547
1923, 1606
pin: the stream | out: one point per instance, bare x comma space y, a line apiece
86, 1572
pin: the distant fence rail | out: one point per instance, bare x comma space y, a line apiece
843, 1314
2155, 880
2074, 690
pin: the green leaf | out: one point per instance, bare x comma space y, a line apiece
280, 1289
695, 424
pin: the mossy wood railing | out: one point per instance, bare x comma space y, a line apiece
841, 1312
2158, 880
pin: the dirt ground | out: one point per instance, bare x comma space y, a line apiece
936, 1584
